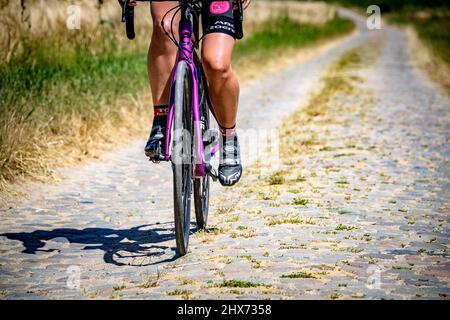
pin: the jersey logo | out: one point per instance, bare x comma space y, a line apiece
219, 7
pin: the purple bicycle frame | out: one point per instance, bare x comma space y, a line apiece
187, 54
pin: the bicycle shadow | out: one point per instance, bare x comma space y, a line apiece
137, 246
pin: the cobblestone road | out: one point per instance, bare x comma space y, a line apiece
364, 215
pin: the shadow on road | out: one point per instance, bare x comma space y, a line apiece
135, 246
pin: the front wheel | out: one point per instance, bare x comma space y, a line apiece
182, 156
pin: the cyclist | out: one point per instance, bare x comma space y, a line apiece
217, 49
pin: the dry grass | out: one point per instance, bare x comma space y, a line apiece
427, 61
48, 18
39, 134
34, 153
43, 19
317, 13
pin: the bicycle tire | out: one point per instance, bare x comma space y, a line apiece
182, 156
202, 185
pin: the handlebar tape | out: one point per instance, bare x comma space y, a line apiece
238, 20
129, 22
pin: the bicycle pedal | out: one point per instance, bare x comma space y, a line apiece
210, 171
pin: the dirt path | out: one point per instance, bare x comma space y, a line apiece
364, 215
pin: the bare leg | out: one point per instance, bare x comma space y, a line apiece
224, 95
217, 49
161, 59
162, 53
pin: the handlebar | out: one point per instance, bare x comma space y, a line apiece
128, 18
239, 20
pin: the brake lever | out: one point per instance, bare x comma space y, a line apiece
124, 10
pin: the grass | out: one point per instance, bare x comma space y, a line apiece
298, 201
178, 292
337, 81
285, 33
430, 20
429, 40
62, 101
275, 222
335, 296
56, 102
392, 5
243, 232
239, 284
299, 275
432, 29
342, 227
276, 178
270, 195
119, 287
151, 281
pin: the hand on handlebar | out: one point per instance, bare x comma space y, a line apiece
131, 3
246, 3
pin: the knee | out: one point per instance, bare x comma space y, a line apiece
159, 26
214, 65
160, 41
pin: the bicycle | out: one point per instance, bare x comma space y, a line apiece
190, 144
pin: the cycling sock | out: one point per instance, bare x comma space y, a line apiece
160, 115
160, 111
227, 132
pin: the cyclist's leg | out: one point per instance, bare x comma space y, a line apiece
162, 52
161, 59
224, 95
223, 84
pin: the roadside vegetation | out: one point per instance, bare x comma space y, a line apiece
430, 21
66, 98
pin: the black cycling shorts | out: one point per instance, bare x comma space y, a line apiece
218, 17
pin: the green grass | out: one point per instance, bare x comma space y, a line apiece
342, 227
119, 287
54, 98
285, 33
432, 30
392, 5
276, 178
299, 275
239, 284
432, 27
299, 201
178, 292
59, 98
275, 222
335, 296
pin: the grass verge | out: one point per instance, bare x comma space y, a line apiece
429, 41
62, 103
430, 19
